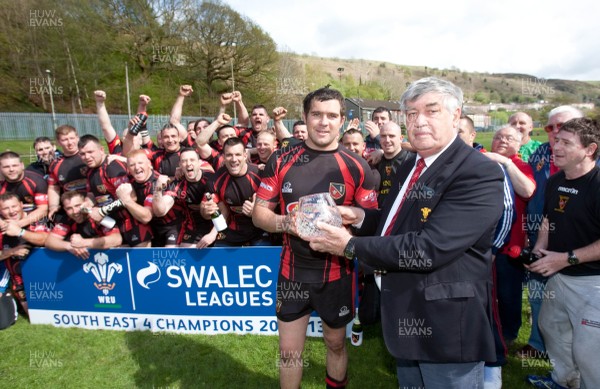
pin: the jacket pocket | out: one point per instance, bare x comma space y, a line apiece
449, 290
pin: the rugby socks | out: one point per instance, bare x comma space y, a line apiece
331, 383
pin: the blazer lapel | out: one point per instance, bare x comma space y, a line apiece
431, 179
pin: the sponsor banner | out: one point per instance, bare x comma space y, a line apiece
208, 291
208, 325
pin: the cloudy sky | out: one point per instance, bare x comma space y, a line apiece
546, 39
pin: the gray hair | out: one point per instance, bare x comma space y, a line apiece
566, 108
504, 127
453, 95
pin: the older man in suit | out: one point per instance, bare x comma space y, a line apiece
432, 242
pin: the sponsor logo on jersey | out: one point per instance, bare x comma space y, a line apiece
61, 227
103, 200
287, 187
40, 197
266, 187
291, 207
78, 185
371, 197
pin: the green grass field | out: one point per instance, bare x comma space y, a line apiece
41, 356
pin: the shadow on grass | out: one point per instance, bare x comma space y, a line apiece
371, 363
184, 361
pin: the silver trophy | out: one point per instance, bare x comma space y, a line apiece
318, 207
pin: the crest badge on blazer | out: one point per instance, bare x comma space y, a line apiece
425, 211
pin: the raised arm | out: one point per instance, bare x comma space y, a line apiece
175, 118
161, 204
243, 119
129, 143
143, 102
281, 132
105, 125
205, 135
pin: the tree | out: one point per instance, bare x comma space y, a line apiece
291, 84
218, 39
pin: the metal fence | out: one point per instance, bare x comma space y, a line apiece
28, 126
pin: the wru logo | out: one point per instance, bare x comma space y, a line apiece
103, 271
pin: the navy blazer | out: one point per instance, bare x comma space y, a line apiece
436, 294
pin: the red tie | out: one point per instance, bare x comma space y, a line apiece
411, 183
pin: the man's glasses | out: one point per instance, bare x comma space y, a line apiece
550, 127
508, 139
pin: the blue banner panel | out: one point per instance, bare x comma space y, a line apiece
208, 291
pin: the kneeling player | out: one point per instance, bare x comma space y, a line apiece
16, 241
80, 233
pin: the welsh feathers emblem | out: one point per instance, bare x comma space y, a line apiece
425, 214
103, 272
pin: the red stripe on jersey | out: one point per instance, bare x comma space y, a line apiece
348, 179
113, 144
363, 197
53, 171
287, 259
221, 186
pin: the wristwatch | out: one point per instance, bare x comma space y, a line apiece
349, 249
572, 258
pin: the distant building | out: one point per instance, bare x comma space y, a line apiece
363, 109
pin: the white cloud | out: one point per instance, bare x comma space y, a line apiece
549, 39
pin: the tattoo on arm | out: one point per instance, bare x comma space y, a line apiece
262, 203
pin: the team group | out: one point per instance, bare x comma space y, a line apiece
437, 222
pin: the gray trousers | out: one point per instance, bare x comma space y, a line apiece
570, 324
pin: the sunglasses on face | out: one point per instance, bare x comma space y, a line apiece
550, 127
